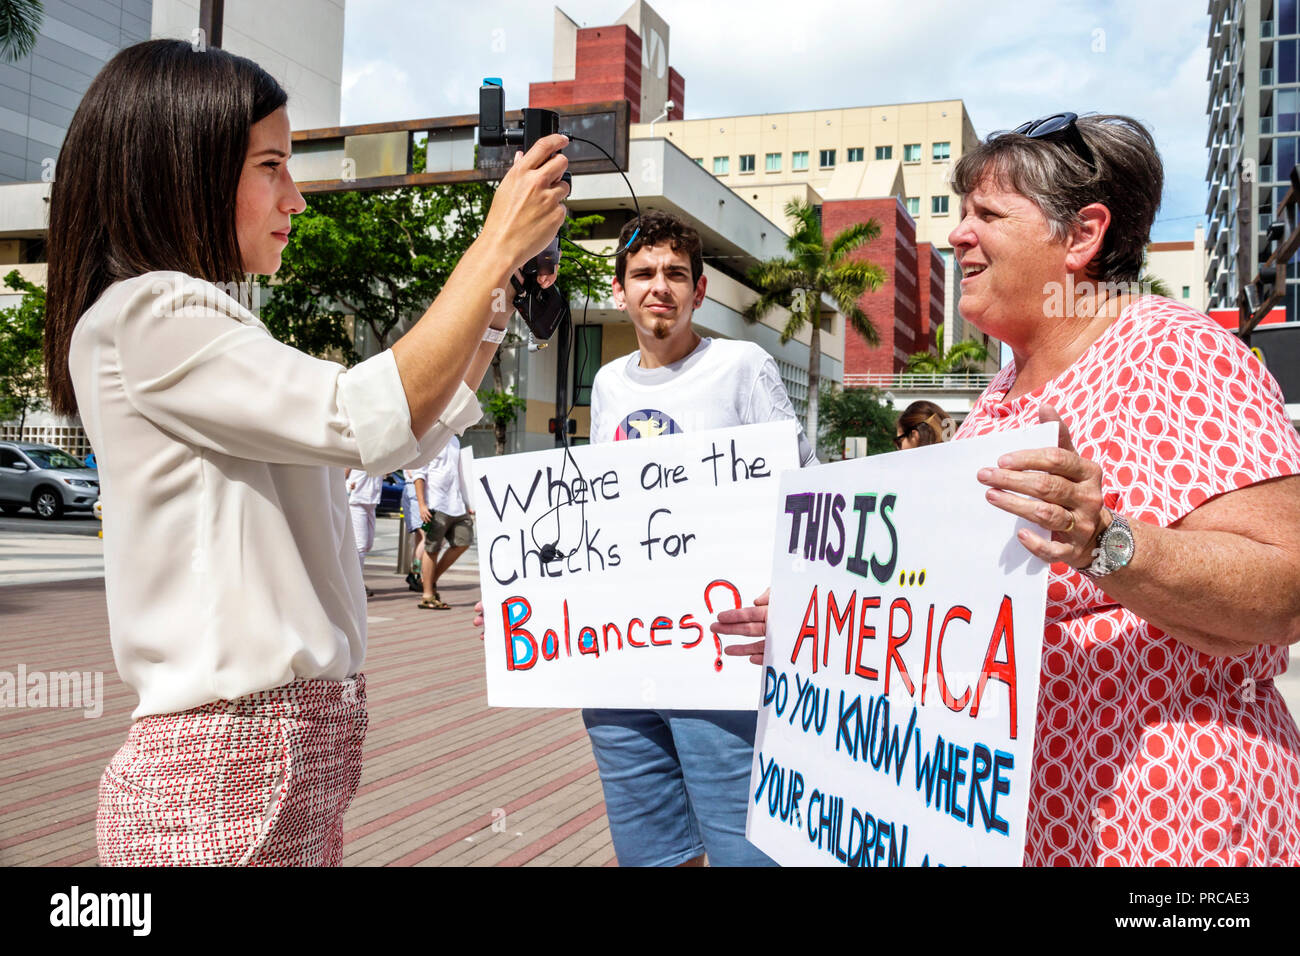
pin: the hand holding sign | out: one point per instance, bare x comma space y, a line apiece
745, 622
1056, 488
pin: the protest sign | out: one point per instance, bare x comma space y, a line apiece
901, 669
654, 537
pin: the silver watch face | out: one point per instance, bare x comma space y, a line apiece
1117, 545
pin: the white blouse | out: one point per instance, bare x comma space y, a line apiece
230, 565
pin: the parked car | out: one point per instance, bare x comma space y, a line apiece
390, 496
45, 479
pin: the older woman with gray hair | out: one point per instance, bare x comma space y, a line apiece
1172, 502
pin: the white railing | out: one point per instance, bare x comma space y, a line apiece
921, 380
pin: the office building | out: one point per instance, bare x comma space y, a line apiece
299, 42
888, 163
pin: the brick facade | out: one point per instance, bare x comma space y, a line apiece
903, 309
607, 67
676, 93
929, 281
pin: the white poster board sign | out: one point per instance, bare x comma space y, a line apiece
655, 537
900, 682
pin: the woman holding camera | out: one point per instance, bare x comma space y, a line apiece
236, 606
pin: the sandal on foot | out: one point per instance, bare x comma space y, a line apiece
435, 604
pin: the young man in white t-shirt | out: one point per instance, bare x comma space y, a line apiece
675, 782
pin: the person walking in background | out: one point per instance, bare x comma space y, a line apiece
447, 519
414, 538
364, 490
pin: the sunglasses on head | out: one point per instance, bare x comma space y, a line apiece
1060, 127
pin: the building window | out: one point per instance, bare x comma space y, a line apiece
795, 380
699, 160
938, 205
941, 151
747, 163
1286, 61
826, 158
586, 361
1187, 292
912, 153
1286, 17
799, 161
721, 165
914, 206
772, 162
884, 152
856, 154
1285, 110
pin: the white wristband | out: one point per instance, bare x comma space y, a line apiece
495, 336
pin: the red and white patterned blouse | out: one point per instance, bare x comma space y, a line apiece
1148, 751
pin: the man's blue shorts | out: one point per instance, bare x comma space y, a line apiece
676, 784
410, 507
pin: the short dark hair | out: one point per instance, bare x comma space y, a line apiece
147, 179
654, 228
1126, 176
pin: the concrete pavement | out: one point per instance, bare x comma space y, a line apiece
447, 780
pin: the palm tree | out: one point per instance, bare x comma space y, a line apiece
814, 269
20, 24
962, 357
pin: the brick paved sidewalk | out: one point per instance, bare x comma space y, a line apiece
447, 780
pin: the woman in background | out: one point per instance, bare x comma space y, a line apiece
923, 423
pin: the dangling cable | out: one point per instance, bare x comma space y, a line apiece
637, 231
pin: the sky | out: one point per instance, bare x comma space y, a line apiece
1009, 60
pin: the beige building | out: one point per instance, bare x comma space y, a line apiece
1182, 266
904, 149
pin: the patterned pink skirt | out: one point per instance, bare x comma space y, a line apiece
260, 781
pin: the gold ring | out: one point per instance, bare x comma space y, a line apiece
1070, 526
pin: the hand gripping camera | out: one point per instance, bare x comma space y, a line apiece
542, 309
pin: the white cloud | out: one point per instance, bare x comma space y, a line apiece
1010, 60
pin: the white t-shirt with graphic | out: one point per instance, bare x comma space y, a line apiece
721, 383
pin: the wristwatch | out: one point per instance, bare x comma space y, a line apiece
1114, 548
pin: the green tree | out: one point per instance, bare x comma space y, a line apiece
501, 407
962, 357
20, 24
378, 259
815, 269
22, 357
855, 413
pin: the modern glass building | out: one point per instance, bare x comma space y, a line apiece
1253, 138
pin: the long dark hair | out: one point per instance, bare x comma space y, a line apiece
146, 180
